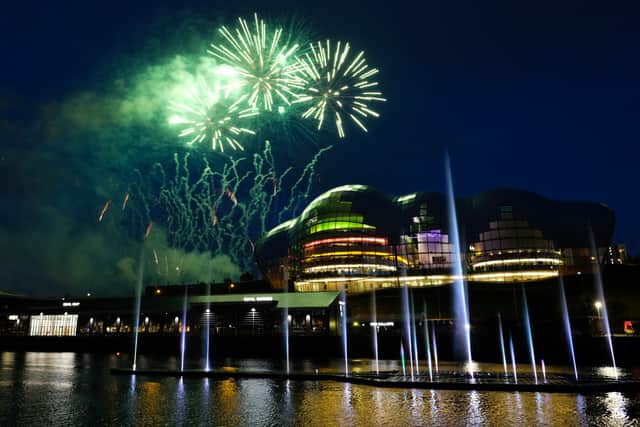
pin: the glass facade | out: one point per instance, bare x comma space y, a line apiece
53, 325
339, 241
424, 241
357, 238
512, 250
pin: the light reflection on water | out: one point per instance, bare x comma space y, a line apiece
77, 389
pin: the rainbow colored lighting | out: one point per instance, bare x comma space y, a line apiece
337, 267
377, 240
511, 276
358, 253
553, 261
339, 225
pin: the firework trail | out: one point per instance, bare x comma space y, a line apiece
204, 212
147, 232
104, 210
301, 189
124, 202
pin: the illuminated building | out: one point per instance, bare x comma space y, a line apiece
348, 234
53, 325
359, 238
512, 250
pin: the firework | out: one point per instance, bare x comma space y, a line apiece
214, 216
263, 61
218, 205
232, 197
104, 210
124, 202
337, 85
148, 230
207, 115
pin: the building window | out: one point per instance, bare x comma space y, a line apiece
54, 325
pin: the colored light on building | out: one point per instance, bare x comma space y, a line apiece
54, 325
377, 240
339, 225
358, 253
512, 276
407, 198
339, 267
518, 261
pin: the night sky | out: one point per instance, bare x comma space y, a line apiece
542, 96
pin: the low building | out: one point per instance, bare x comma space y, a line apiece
226, 308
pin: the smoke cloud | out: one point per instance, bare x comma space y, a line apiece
61, 164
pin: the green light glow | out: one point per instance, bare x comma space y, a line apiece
203, 115
339, 225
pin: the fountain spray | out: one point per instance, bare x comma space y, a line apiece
414, 334
207, 330
513, 359
374, 331
343, 314
527, 326
183, 335
602, 301
461, 300
502, 350
138, 303
435, 347
404, 370
427, 342
567, 327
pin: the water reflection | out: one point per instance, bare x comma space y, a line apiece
228, 393
433, 406
180, 410
71, 389
539, 409
347, 403
616, 405
475, 413
151, 399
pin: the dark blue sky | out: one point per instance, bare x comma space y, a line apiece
537, 95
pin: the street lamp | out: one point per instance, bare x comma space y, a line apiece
253, 317
598, 306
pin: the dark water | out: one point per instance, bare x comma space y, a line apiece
77, 389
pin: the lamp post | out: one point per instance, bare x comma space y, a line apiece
598, 306
253, 316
